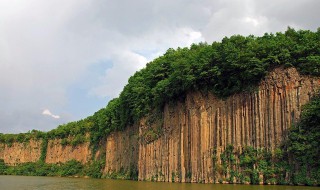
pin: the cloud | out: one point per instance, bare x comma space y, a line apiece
114, 79
258, 17
48, 47
47, 112
22, 120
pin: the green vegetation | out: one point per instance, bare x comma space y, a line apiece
74, 140
303, 144
94, 169
130, 174
9, 139
44, 146
70, 168
3, 167
253, 166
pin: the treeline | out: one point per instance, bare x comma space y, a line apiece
70, 168
234, 65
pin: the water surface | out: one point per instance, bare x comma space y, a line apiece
57, 183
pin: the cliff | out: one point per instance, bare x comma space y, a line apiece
62, 153
204, 125
20, 152
30, 151
191, 132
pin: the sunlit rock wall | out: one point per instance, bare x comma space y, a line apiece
203, 123
20, 152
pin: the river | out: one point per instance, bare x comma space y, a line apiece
57, 183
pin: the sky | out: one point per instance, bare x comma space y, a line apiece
62, 60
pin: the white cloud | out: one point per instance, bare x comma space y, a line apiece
114, 79
47, 112
254, 21
258, 17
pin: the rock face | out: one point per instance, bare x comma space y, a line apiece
193, 129
58, 153
122, 150
20, 152
182, 146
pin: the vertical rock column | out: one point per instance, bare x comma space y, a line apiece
122, 150
194, 129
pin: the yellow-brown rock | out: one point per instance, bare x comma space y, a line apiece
122, 150
20, 152
57, 153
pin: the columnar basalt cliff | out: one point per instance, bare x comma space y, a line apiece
194, 129
20, 152
181, 148
56, 152
202, 124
